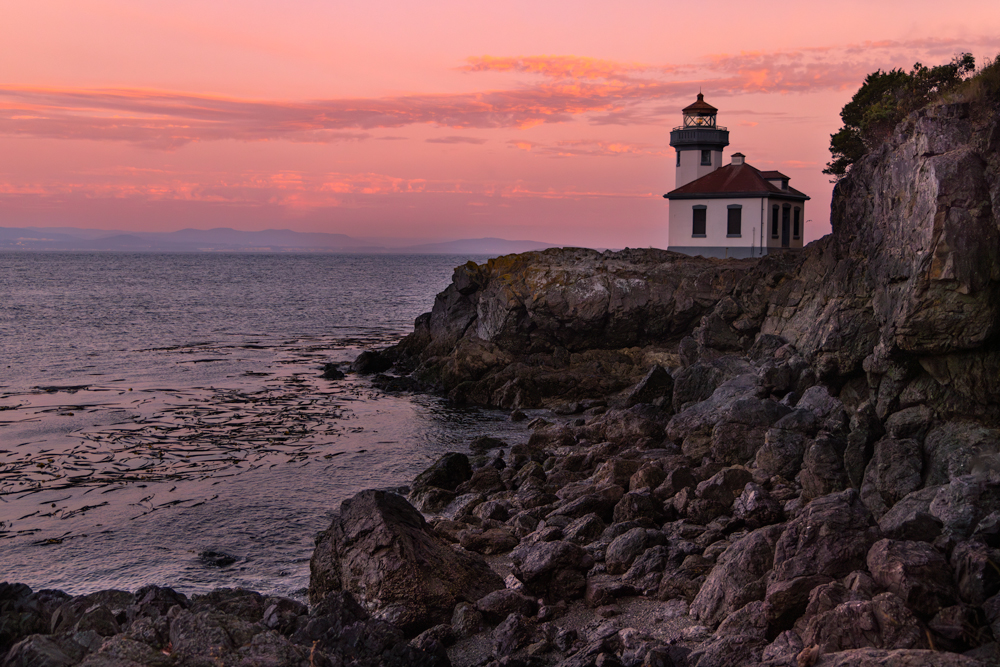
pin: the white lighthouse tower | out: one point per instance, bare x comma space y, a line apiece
699, 142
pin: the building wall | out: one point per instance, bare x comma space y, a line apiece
770, 240
691, 168
716, 242
716, 223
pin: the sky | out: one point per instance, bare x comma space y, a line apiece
428, 121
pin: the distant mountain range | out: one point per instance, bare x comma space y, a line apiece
223, 239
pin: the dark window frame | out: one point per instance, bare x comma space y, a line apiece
699, 215
678, 158
796, 223
734, 221
706, 158
775, 217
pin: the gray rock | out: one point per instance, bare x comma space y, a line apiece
381, 549
962, 503
657, 383
883, 622
756, 508
893, 472
447, 473
976, 575
828, 540
738, 577
498, 605
915, 572
738, 435
585, 529
953, 449
782, 452
724, 486
624, 549
823, 469
910, 518
552, 569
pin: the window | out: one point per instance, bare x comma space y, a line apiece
774, 222
698, 221
706, 158
678, 158
734, 220
795, 224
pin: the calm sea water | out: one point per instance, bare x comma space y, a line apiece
159, 412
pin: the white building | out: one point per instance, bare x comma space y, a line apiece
727, 211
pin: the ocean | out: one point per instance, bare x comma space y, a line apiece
163, 419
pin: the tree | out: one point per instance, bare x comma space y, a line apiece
885, 99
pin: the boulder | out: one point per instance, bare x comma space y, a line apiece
953, 448
915, 572
638, 506
977, 576
381, 549
585, 529
910, 518
498, 605
823, 469
962, 503
624, 549
740, 432
894, 472
657, 383
738, 577
756, 508
447, 473
371, 361
829, 539
872, 657
340, 631
552, 569
724, 486
883, 622
782, 452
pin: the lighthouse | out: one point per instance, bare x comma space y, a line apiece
698, 142
734, 210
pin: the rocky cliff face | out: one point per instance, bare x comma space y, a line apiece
901, 300
567, 323
905, 290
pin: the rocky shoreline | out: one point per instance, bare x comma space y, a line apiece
789, 461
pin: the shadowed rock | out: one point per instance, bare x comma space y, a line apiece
380, 549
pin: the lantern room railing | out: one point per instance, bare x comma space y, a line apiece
701, 127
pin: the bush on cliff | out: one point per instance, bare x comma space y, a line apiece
886, 98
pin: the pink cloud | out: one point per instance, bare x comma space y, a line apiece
587, 147
452, 139
601, 91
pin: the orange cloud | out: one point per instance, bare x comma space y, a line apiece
556, 67
603, 92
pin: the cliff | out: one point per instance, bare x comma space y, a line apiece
901, 299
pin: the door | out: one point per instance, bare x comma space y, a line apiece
786, 226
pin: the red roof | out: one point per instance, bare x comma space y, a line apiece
700, 106
772, 175
733, 180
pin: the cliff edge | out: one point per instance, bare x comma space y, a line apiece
899, 305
